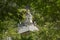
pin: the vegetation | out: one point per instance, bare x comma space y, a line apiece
46, 13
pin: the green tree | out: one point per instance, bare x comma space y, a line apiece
46, 13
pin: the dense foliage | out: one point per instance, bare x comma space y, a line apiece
46, 13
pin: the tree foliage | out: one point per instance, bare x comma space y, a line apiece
46, 13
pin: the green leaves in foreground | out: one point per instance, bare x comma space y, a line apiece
46, 14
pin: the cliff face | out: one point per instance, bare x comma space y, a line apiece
27, 25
